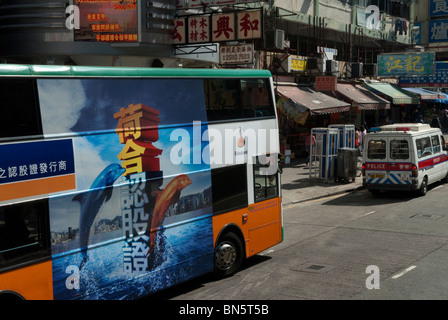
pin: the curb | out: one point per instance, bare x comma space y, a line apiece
323, 196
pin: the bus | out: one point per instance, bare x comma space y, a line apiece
118, 182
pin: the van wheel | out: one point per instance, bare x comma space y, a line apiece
228, 254
445, 180
424, 187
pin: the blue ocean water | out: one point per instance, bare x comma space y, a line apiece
185, 250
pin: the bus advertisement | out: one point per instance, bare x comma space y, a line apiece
116, 183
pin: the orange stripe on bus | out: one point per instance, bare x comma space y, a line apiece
33, 283
30, 188
261, 230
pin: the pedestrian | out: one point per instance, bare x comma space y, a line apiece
310, 141
357, 139
444, 124
362, 133
435, 122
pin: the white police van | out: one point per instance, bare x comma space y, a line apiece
406, 156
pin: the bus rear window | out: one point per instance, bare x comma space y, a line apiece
399, 149
376, 149
19, 108
24, 235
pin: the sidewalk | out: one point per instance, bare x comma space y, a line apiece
297, 186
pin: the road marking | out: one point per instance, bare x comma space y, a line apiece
398, 275
366, 214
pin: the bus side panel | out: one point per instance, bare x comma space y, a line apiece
220, 221
265, 225
33, 283
260, 223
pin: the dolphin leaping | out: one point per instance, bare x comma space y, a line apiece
91, 202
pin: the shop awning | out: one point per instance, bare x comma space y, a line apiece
393, 93
315, 102
426, 94
361, 97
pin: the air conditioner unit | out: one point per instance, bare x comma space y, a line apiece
370, 70
275, 39
332, 67
315, 66
279, 39
354, 70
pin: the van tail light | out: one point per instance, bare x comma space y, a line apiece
363, 169
414, 171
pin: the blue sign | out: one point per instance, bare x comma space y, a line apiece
438, 8
438, 80
438, 31
36, 160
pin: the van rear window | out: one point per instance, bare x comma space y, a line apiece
399, 149
376, 149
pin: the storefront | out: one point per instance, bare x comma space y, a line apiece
432, 104
367, 107
403, 103
302, 108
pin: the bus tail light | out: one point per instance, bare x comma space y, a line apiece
414, 171
363, 169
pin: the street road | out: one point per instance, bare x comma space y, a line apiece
352, 246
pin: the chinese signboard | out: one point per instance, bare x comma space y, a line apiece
438, 8
198, 29
438, 80
406, 64
249, 25
217, 27
223, 27
298, 64
326, 83
438, 31
36, 168
179, 31
182, 4
239, 54
107, 21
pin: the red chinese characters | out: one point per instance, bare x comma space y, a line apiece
138, 128
199, 29
249, 26
223, 26
179, 31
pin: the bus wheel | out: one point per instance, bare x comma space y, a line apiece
424, 188
228, 254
